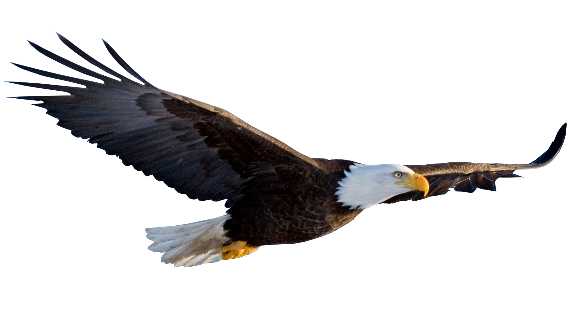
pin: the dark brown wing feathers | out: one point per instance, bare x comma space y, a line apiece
200, 150
467, 177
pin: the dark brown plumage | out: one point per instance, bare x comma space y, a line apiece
467, 177
273, 193
200, 150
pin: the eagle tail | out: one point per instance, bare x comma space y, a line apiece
191, 244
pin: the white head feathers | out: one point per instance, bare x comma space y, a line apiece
368, 185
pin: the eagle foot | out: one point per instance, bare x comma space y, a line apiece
237, 249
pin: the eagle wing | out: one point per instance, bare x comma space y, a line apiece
467, 177
200, 150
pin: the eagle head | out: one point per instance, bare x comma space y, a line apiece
367, 185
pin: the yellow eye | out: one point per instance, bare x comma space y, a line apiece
398, 174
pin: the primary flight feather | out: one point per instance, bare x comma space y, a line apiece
274, 194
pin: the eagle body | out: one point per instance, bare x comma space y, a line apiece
293, 204
273, 194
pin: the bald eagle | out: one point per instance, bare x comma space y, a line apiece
273, 194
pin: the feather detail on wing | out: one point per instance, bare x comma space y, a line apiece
200, 150
467, 177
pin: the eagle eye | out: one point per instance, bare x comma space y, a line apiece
398, 174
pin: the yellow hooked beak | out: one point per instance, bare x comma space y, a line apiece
416, 182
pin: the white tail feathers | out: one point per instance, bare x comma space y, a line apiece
191, 244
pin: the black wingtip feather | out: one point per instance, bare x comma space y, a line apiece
91, 60
554, 148
88, 58
124, 64
69, 64
48, 74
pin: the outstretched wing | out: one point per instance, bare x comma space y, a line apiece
200, 150
467, 177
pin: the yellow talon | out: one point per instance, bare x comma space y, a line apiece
237, 249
